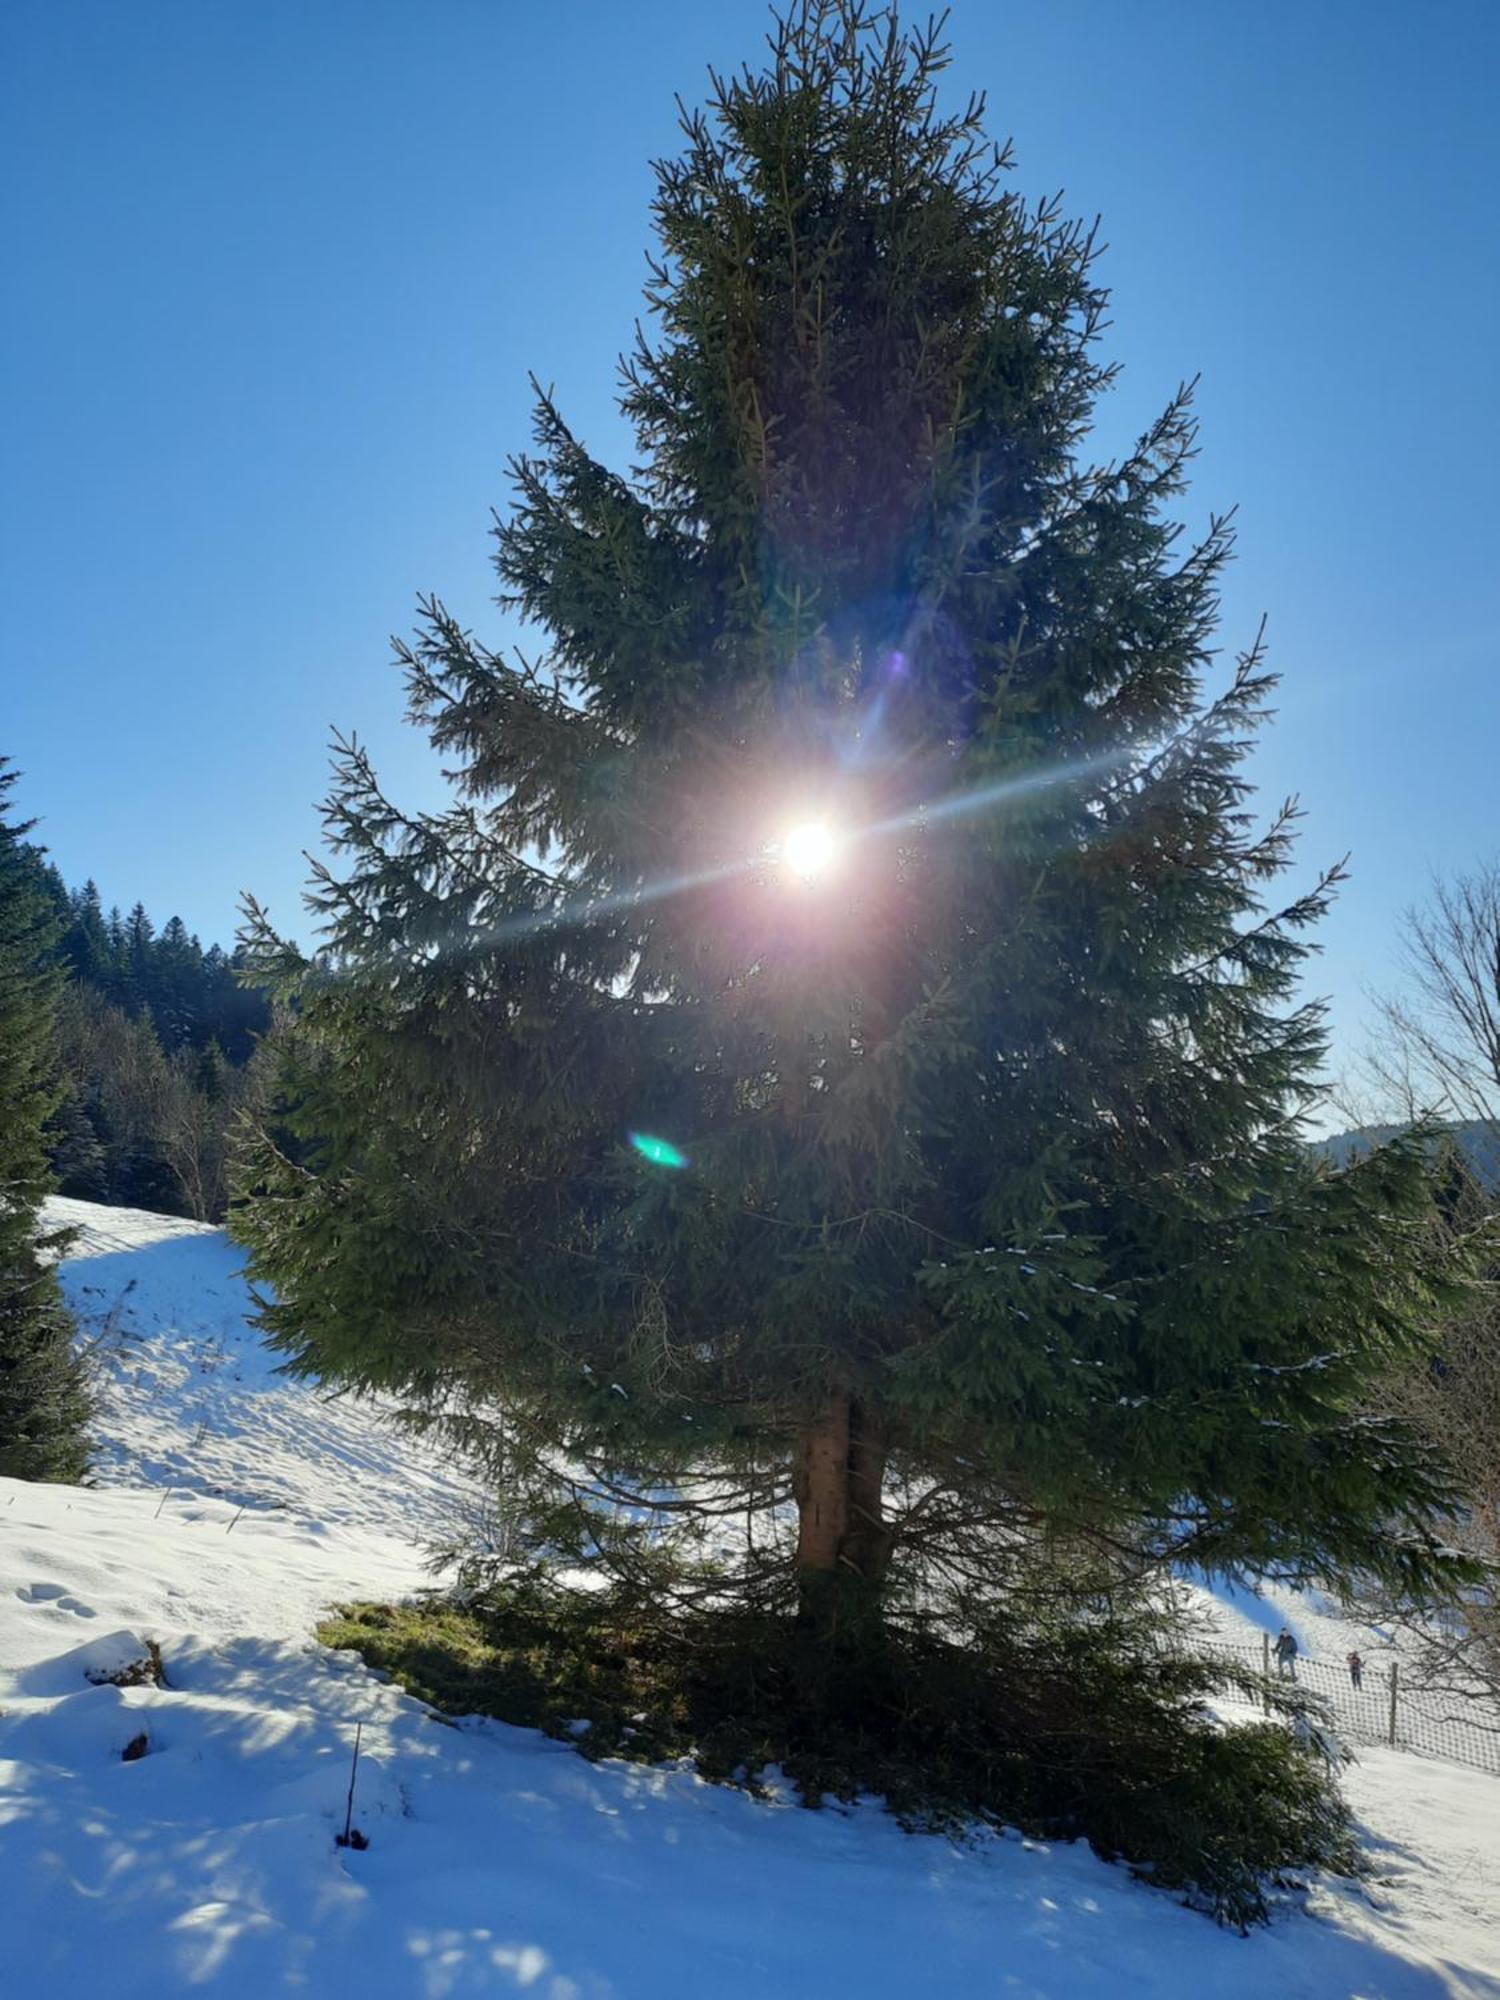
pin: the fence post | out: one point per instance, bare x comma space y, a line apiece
1265, 1668
1394, 1681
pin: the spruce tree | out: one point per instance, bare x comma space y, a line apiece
842, 1048
177, 972
43, 1407
140, 960
116, 982
86, 943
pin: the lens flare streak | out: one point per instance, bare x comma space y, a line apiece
579, 911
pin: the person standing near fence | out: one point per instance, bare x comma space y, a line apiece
1286, 1654
1356, 1671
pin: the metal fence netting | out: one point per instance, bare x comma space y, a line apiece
1383, 1707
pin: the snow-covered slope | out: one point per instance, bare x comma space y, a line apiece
190, 1399
500, 1863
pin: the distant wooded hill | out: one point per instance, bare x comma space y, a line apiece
158, 1039
1478, 1142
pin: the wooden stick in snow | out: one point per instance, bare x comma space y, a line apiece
349, 1838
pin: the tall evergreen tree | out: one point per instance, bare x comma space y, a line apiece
86, 942
43, 1407
140, 959
837, 1050
114, 936
178, 987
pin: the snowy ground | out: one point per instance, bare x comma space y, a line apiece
501, 1863
192, 1401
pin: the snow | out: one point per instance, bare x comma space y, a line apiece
192, 1400
500, 1862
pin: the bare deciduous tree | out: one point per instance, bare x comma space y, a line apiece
1444, 1044
1441, 1053
1460, 1402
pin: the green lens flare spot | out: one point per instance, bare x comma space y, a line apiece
660, 1152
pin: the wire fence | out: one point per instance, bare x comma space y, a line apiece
1379, 1706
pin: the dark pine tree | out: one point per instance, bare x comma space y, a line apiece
140, 983
117, 961
839, 1049
43, 1407
239, 1013
178, 988
86, 941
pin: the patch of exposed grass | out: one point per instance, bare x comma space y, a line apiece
538, 1673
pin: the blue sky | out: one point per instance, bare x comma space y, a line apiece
276, 272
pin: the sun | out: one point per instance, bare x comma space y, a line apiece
811, 851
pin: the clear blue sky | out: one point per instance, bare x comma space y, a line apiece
275, 271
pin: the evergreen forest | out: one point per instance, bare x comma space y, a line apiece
156, 1041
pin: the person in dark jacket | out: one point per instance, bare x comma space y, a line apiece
1356, 1671
1286, 1654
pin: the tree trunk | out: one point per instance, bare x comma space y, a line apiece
820, 1482
867, 1537
843, 1539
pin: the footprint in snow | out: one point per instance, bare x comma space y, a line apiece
55, 1595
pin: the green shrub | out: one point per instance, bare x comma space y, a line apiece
1062, 1734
